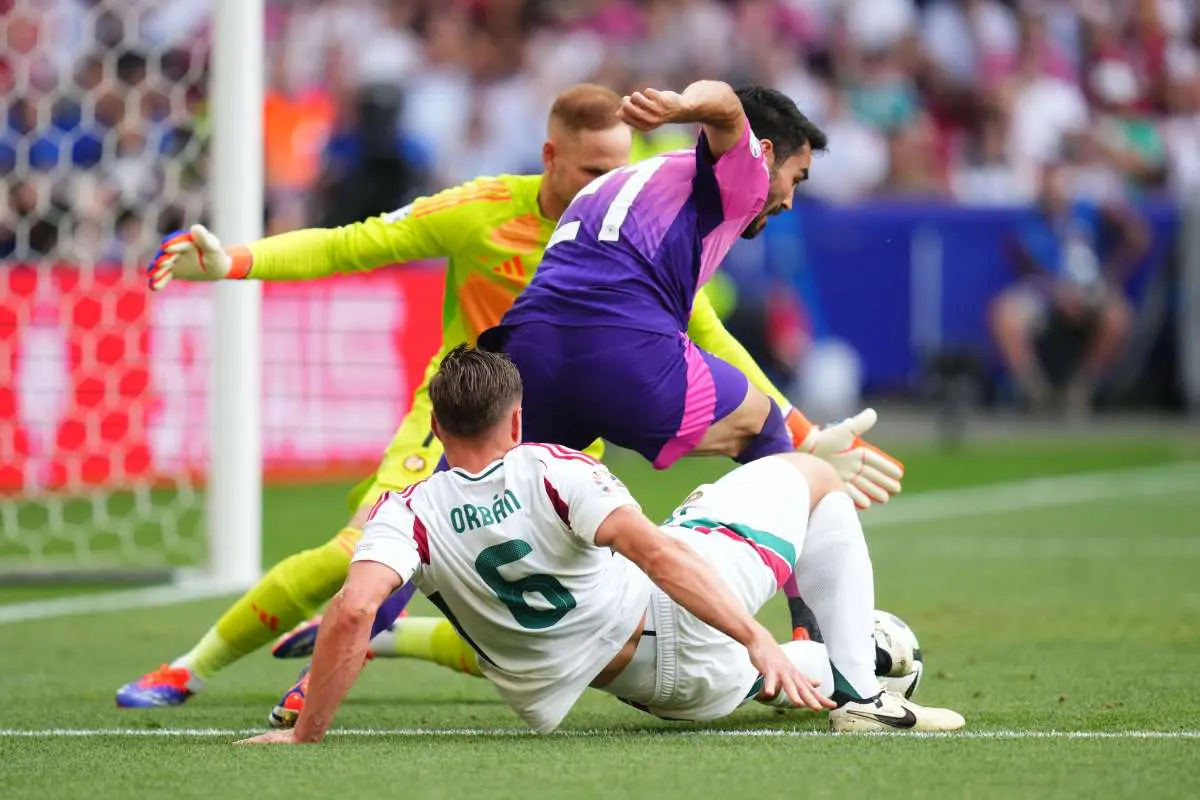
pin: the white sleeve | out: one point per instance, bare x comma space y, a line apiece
393, 536
584, 493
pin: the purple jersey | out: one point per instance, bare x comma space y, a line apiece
635, 245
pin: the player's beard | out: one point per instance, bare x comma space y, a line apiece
756, 226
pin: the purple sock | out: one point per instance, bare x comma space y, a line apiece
392, 608
773, 438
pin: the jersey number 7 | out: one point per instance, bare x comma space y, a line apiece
618, 209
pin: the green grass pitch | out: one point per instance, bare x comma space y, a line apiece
1037, 615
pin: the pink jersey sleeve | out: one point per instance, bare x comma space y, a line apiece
743, 177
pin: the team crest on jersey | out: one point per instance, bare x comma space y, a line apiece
606, 482
414, 463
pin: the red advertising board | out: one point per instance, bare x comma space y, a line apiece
104, 384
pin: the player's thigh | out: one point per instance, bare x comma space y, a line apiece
545, 356
652, 393
410, 457
769, 499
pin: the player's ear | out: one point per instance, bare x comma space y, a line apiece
768, 149
516, 424
433, 426
548, 153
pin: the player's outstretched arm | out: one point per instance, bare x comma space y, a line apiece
340, 652
431, 227
689, 581
713, 104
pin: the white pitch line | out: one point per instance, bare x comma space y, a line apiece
457, 733
1017, 496
946, 504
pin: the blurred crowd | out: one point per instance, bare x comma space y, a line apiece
370, 102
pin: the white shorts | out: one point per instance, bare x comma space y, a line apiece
749, 526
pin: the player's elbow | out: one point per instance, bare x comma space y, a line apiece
356, 606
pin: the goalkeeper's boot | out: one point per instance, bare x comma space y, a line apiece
165, 686
299, 641
287, 710
892, 713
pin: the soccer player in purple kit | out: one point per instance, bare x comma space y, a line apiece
604, 321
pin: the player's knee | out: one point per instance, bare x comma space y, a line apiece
820, 476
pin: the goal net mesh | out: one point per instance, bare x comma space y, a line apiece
104, 148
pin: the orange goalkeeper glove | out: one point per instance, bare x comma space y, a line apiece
869, 474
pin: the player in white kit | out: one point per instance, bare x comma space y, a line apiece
547, 567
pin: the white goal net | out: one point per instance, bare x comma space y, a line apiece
104, 148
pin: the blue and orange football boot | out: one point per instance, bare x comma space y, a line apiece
165, 686
287, 711
299, 641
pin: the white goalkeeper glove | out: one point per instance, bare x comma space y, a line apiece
195, 255
869, 474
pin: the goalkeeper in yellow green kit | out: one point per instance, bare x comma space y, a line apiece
493, 231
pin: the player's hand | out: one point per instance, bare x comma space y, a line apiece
272, 737
869, 474
647, 110
781, 675
192, 255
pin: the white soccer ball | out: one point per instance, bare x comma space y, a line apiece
898, 654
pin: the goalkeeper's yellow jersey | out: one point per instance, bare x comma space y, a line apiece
492, 234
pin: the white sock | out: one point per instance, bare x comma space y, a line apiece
812, 659
836, 579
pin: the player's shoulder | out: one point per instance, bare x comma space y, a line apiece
478, 199
552, 454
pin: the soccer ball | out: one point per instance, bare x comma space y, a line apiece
897, 655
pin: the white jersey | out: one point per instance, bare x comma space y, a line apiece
509, 556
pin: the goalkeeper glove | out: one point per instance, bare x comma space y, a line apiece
196, 255
869, 474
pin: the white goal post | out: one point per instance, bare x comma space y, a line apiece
235, 473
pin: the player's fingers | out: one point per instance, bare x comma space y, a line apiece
157, 282
884, 482
644, 103
863, 421
205, 239
884, 462
634, 116
872, 490
856, 494
770, 683
184, 246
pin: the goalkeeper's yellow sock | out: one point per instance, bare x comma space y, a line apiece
291, 592
428, 639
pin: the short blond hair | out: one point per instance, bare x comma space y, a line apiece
586, 107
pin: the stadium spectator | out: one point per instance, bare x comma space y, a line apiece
1068, 290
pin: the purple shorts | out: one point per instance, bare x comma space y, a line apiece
649, 392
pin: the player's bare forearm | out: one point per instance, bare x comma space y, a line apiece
680, 572
715, 106
711, 103
341, 647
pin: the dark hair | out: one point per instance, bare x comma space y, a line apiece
473, 390
774, 116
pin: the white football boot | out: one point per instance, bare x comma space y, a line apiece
892, 713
